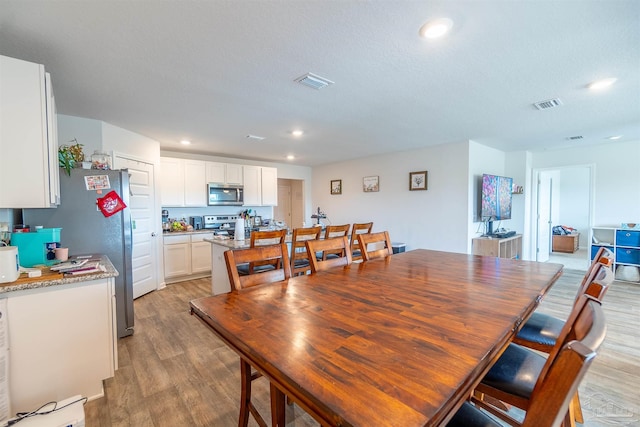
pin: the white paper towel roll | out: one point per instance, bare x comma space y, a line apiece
239, 231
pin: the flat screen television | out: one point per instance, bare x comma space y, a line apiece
496, 199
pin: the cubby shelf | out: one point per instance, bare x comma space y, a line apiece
625, 246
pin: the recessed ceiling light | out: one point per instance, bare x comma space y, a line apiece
436, 28
290, 157
602, 83
297, 133
615, 137
185, 142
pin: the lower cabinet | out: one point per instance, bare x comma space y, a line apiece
62, 342
186, 256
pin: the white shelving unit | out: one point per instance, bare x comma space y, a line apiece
625, 246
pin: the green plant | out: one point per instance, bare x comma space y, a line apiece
69, 155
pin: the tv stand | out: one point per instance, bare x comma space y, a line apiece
508, 247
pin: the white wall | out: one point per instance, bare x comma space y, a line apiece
517, 165
616, 177
573, 200
87, 132
431, 219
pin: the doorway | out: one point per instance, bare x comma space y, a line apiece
563, 197
290, 207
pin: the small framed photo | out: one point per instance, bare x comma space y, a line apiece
257, 221
370, 184
418, 180
336, 186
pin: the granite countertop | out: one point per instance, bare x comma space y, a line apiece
229, 243
54, 279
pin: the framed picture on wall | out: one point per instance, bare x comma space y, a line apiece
370, 184
336, 186
418, 180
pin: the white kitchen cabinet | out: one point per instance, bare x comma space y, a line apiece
200, 253
195, 183
182, 182
260, 186
186, 256
28, 136
224, 173
62, 342
177, 256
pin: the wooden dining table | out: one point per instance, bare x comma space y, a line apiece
399, 341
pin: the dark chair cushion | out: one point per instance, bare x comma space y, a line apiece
516, 371
301, 263
243, 269
541, 329
470, 416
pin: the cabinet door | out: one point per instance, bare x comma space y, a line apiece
25, 173
171, 181
177, 260
269, 186
215, 172
234, 174
195, 183
252, 176
200, 256
52, 143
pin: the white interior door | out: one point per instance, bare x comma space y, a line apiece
141, 205
543, 246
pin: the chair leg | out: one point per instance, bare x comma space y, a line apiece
577, 409
245, 393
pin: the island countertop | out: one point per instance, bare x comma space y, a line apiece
50, 278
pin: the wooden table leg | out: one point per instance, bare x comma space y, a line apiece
277, 407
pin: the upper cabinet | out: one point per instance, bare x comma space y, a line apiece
183, 182
28, 136
260, 186
224, 173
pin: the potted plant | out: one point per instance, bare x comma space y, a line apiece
70, 155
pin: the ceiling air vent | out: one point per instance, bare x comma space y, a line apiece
313, 81
549, 103
256, 137
574, 138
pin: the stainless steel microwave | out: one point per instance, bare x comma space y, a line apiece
225, 195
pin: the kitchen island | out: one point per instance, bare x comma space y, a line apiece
61, 335
219, 278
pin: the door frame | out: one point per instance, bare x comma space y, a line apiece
157, 258
533, 227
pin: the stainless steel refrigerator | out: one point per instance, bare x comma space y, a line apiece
85, 230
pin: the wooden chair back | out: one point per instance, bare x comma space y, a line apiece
260, 238
552, 395
300, 263
356, 229
337, 245
378, 239
332, 231
270, 253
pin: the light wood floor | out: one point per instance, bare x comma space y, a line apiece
174, 372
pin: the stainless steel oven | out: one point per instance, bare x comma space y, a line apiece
225, 195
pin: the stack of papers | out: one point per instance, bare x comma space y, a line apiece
79, 266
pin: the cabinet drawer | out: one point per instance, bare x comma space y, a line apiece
627, 256
174, 240
199, 237
627, 238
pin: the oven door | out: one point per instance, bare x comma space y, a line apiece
225, 196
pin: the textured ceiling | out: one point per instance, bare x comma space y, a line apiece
216, 71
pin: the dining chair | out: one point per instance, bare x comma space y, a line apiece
299, 258
520, 373
238, 282
336, 245
259, 238
381, 242
332, 231
549, 403
357, 229
541, 331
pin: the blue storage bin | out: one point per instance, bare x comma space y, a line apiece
595, 248
627, 238
627, 256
